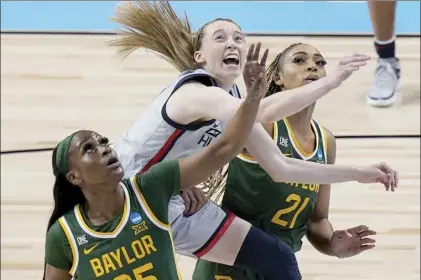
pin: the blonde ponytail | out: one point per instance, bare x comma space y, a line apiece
155, 26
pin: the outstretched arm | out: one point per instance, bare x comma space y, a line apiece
283, 169
195, 101
339, 243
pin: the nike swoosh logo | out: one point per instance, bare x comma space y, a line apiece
88, 251
287, 155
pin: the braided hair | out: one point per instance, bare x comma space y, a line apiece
214, 186
273, 70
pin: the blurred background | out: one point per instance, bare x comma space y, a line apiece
267, 17
58, 75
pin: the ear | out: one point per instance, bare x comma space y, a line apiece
73, 177
279, 80
198, 57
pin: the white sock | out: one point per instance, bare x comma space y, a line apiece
385, 42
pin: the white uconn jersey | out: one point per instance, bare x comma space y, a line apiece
155, 137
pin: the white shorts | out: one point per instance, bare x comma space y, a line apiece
196, 234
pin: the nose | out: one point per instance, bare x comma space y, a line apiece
312, 68
105, 150
231, 45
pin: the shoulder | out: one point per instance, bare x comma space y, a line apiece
330, 137
158, 173
330, 144
57, 232
198, 77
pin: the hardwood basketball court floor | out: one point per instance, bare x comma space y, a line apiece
52, 85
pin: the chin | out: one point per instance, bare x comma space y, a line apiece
118, 173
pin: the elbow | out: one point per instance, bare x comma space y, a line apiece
224, 149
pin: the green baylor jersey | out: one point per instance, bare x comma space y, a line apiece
138, 246
281, 209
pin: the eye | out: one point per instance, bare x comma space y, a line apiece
321, 63
88, 147
298, 60
239, 38
219, 37
104, 141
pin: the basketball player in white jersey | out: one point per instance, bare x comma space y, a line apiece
191, 112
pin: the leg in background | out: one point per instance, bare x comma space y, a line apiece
387, 74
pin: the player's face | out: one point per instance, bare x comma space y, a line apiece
223, 50
92, 161
303, 64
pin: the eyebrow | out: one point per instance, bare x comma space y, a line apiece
216, 31
304, 53
86, 138
238, 32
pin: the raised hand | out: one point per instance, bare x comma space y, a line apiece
380, 173
254, 73
350, 242
345, 68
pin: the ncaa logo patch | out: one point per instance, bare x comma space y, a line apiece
319, 154
135, 218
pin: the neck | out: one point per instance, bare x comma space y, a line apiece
227, 86
225, 83
301, 121
103, 203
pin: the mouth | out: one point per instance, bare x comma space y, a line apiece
231, 59
311, 78
113, 163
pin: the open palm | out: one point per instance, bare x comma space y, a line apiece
352, 241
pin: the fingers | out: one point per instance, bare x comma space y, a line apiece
357, 229
193, 202
264, 58
366, 233
254, 53
393, 179
366, 247
367, 241
201, 199
382, 177
354, 58
257, 52
357, 64
396, 176
250, 53
186, 202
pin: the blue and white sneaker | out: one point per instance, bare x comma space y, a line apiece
386, 80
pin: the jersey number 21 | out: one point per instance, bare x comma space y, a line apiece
296, 199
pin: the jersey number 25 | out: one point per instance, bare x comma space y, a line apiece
137, 272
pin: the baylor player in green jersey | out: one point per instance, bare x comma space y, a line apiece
288, 210
282, 209
139, 232
105, 228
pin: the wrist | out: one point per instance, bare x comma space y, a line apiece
252, 98
357, 173
331, 251
330, 83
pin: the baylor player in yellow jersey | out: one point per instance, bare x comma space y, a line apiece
105, 228
288, 210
